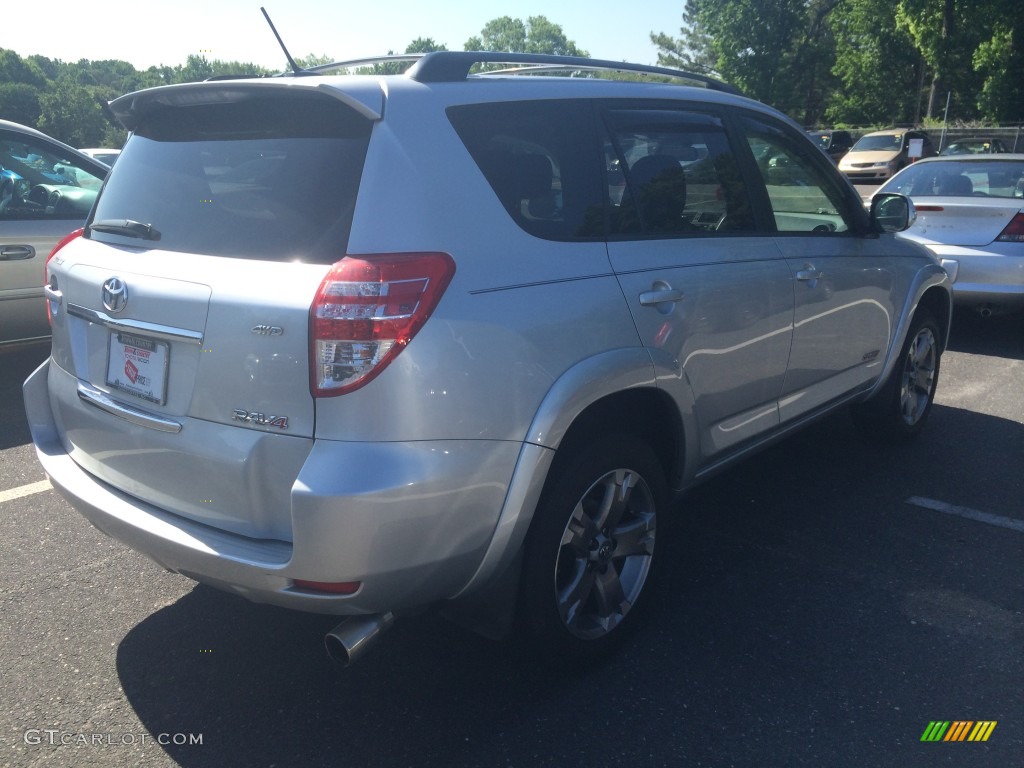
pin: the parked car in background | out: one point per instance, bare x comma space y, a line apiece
877, 156
970, 214
365, 344
105, 156
974, 146
834, 143
46, 190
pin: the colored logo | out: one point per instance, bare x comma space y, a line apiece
958, 730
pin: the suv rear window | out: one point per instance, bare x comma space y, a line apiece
262, 178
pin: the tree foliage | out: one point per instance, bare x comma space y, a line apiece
536, 35
68, 100
860, 61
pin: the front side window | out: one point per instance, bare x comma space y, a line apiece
672, 173
268, 178
40, 180
804, 197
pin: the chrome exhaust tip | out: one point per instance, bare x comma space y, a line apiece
348, 641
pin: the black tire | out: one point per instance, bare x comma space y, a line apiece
590, 550
899, 410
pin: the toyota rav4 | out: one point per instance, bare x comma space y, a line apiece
362, 345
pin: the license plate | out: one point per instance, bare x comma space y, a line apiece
138, 365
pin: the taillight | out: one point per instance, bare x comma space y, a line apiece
50, 287
1014, 232
366, 310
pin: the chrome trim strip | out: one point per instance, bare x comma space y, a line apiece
164, 332
98, 399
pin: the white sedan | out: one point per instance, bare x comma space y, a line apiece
970, 214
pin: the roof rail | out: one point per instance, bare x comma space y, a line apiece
453, 66
367, 62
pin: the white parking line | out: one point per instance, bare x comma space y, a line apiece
25, 490
970, 514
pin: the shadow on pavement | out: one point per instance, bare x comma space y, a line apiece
15, 367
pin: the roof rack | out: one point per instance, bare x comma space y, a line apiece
453, 66
367, 62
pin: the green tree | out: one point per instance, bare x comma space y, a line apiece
312, 60
70, 113
425, 45
1000, 61
536, 35
692, 50
879, 70
14, 69
946, 33
19, 102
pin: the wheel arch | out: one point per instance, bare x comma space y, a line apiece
619, 391
931, 290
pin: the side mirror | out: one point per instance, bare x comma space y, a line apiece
892, 212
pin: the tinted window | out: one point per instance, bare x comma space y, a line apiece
40, 180
804, 195
981, 178
673, 173
263, 178
541, 162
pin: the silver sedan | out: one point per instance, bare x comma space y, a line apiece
970, 214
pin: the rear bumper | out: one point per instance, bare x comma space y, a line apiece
984, 278
410, 521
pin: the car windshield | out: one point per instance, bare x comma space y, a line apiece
891, 142
974, 178
822, 139
975, 147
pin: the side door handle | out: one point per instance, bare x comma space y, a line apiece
660, 293
809, 272
16, 252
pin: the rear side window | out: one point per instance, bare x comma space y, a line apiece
673, 172
262, 178
540, 160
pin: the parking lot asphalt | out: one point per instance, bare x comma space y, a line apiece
823, 603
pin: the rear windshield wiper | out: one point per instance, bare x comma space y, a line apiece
126, 227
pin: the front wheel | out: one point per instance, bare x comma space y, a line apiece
590, 550
898, 411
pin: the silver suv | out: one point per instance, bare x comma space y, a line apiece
361, 345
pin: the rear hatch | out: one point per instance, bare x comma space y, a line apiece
181, 317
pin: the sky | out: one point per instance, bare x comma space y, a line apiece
154, 32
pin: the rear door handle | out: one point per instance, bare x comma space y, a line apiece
16, 252
660, 293
809, 272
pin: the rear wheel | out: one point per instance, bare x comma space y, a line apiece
898, 411
590, 550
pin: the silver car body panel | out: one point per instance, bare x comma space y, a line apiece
963, 236
455, 487
22, 309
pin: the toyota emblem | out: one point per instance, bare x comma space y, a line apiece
115, 294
